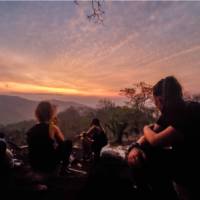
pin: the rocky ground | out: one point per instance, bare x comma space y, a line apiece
107, 178
90, 180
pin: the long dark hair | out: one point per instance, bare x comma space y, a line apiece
44, 111
95, 122
170, 90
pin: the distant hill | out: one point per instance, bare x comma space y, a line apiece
15, 109
72, 120
63, 105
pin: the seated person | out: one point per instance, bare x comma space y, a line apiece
5, 154
179, 121
95, 137
47, 146
86, 146
6, 162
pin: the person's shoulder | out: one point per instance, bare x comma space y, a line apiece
55, 127
92, 128
37, 127
97, 128
32, 128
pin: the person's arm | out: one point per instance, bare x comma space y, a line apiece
155, 127
59, 136
89, 131
89, 134
167, 137
142, 140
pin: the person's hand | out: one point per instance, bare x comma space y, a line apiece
90, 140
142, 140
134, 157
147, 128
151, 126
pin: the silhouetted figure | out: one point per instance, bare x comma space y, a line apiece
47, 146
5, 163
3, 160
86, 146
95, 137
171, 145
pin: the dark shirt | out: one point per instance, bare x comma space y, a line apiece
99, 137
185, 118
41, 147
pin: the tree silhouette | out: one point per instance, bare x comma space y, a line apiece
138, 95
140, 100
97, 11
97, 14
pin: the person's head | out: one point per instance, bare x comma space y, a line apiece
44, 111
95, 122
167, 92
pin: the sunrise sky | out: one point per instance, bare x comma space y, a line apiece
50, 49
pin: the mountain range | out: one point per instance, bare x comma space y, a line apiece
14, 109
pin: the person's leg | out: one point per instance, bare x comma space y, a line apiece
96, 149
64, 151
163, 188
160, 174
86, 150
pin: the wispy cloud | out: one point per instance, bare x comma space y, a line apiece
51, 47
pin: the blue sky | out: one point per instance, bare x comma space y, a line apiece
51, 48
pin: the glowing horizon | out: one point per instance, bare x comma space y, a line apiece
29, 88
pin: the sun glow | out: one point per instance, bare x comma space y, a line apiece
29, 88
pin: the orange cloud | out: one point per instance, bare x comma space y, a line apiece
29, 88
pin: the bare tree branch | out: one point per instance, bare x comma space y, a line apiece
76, 2
97, 12
138, 94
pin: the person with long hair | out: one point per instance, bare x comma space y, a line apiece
95, 137
46, 142
177, 129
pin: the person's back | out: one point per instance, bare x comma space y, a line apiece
187, 154
99, 140
46, 142
99, 137
188, 124
192, 131
41, 147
